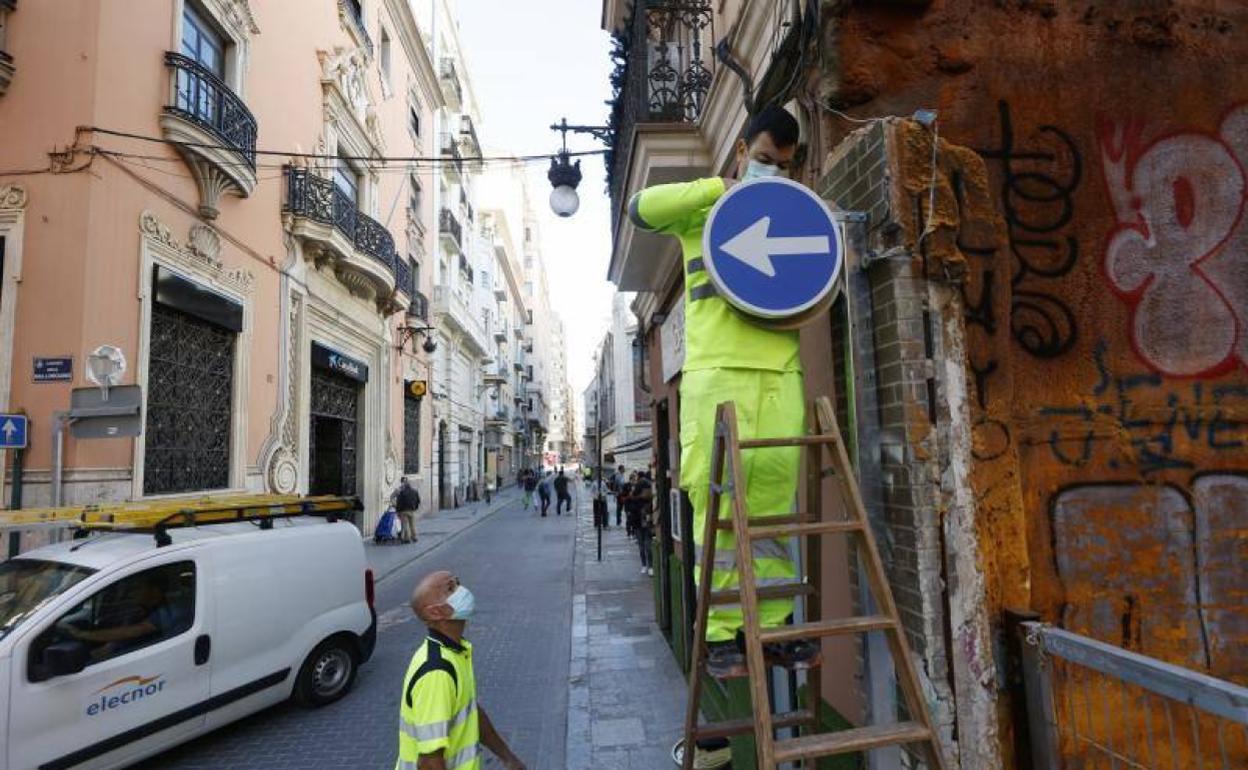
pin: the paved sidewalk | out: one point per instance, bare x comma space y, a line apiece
434, 529
626, 698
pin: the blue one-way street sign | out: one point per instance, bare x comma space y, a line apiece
13, 431
772, 248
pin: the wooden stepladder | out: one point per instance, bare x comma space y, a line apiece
825, 454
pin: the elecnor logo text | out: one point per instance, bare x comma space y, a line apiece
125, 692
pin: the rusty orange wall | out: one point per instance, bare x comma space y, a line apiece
1111, 354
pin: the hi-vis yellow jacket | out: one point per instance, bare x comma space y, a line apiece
716, 335
439, 706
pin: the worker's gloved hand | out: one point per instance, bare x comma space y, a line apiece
514, 764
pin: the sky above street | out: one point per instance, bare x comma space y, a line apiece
532, 63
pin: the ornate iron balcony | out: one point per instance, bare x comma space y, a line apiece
420, 305
451, 227
403, 277
204, 99
451, 152
663, 70
319, 199
454, 91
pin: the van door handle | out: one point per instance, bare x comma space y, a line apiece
203, 649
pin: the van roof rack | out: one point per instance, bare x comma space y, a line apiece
160, 516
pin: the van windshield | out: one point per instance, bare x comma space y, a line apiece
28, 584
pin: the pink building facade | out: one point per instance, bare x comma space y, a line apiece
203, 185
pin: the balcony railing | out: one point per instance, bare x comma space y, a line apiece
404, 277
469, 133
664, 75
450, 81
450, 227
420, 306
450, 150
7, 70
319, 199
204, 99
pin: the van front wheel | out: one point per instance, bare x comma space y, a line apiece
328, 673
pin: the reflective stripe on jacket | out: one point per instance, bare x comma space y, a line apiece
438, 708
716, 335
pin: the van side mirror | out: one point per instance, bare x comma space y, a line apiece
68, 657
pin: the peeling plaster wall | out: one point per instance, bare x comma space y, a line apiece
930, 522
1103, 308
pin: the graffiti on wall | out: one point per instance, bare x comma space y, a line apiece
1038, 186
1142, 422
1178, 256
1153, 567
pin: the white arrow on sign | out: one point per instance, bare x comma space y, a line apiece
753, 246
9, 429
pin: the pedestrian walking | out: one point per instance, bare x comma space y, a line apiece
618, 481
406, 501
564, 495
642, 500
529, 480
546, 490
631, 505
441, 725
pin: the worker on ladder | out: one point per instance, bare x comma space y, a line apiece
728, 356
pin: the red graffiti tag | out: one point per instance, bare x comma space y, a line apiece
1179, 253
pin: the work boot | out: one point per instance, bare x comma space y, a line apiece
708, 754
798, 654
724, 660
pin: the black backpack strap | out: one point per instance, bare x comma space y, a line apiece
435, 662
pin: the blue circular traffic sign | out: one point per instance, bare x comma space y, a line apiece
772, 248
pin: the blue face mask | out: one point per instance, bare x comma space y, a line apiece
462, 602
759, 170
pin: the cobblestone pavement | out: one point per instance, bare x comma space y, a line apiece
627, 695
520, 568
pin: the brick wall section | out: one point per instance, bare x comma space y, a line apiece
907, 523
857, 179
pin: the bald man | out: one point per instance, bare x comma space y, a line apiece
440, 724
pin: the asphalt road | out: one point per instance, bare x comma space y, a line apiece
520, 568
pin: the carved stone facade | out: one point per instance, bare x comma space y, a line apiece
201, 254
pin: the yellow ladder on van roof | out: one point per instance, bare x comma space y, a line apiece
184, 512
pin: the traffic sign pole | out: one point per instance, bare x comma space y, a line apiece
15, 500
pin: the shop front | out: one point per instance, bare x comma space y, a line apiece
336, 412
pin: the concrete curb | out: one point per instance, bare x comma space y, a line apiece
501, 502
577, 748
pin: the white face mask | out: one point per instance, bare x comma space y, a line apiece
462, 602
759, 170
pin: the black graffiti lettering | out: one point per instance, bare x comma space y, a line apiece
1085, 449
1043, 325
992, 439
1159, 431
1038, 203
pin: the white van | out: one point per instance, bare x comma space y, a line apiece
113, 648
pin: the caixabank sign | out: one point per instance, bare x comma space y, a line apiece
125, 692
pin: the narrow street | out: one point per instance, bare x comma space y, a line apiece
520, 568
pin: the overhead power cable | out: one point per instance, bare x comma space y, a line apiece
323, 156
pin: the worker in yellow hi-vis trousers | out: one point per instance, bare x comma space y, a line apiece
729, 357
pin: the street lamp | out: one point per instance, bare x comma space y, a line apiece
413, 328
564, 175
